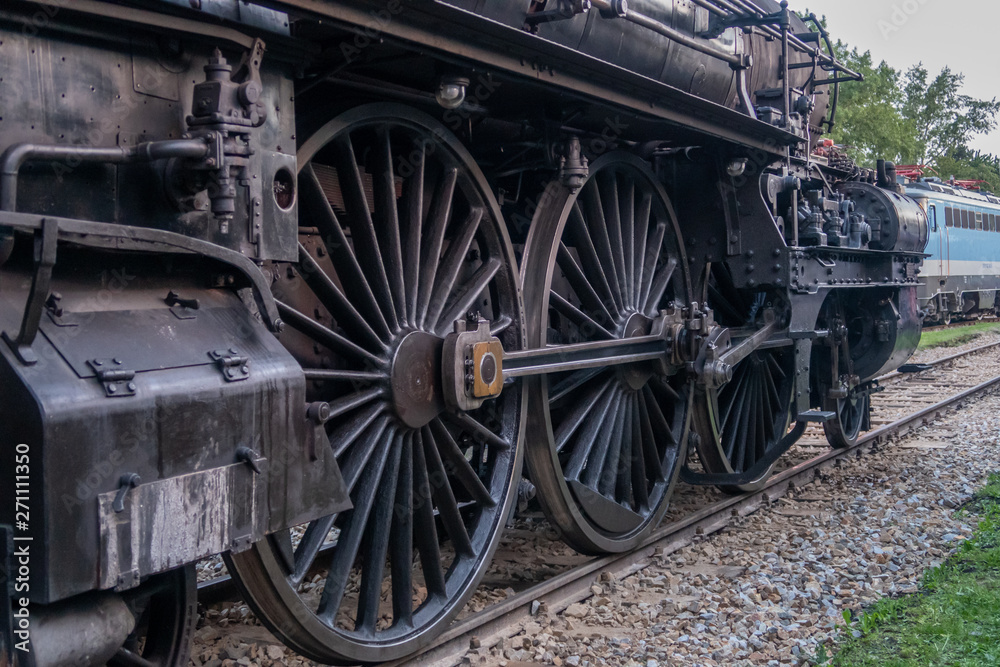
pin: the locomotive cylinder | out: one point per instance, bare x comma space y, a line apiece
99, 623
898, 223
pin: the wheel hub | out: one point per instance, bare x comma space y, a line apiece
416, 379
635, 376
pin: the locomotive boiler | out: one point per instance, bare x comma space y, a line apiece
304, 282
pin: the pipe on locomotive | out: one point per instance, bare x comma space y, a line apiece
16, 155
621, 10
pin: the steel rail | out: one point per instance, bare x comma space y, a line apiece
943, 360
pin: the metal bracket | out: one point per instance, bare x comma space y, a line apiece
234, 367
46, 241
117, 379
817, 416
565, 9
127, 580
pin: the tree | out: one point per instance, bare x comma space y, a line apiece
945, 120
870, 120
909, 118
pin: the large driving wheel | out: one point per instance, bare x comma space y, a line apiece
606, 443
742, 421
400, 237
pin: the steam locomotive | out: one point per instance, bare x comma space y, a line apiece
303, 282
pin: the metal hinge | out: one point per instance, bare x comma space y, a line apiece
233, 366
117, 380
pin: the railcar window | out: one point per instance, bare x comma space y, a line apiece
979, 220
992, 221
932, 217
949, 216
965, 218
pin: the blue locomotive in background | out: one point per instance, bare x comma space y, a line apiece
962, 272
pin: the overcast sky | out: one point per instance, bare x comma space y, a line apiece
962, 34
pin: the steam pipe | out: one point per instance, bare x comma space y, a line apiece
16, 155
701, 46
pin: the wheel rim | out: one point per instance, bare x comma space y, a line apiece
604, 450
851, 407
402, 211
741, 422
166, 611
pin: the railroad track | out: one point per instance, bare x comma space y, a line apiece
893, 417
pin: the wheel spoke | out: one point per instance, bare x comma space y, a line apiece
639, 467
642, 216
377, 542
424, 525
606, 474
349, 431
433, 240
444, 497
592, 444
627, 208
654, 465
468, 424
598, 227
357, 378
401, 539
412, 215
659, 287
386, 219
346, 315
316, 206
661, 426
584, 244
728, 397
582, 286
353, 401
468, 294
566, 386
621, 487
310, 544
326, 336
649, 262
455, 257
363, 233
349, 542
612, 217
588, 326
358, 457
596, 401
459, 466
730, 430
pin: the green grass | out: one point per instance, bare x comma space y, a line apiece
956, 336
953, 620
